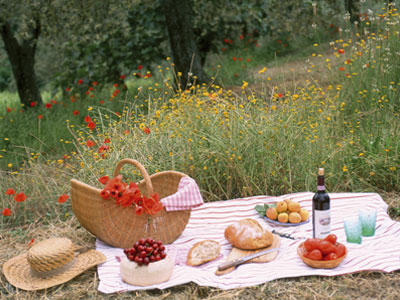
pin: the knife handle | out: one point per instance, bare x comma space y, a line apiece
230, 264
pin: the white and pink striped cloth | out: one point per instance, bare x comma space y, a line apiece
378, 253
188, 196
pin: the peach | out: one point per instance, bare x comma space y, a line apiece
281, 206
283, 217
294, 206
304, 214
294, 217
288, 201
272, 213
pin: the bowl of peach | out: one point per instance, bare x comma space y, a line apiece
324, 253
286, 213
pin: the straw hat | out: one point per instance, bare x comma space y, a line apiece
49, 263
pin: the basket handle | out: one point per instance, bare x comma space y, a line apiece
147, 180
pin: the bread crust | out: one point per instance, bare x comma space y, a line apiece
248, 234
202, 252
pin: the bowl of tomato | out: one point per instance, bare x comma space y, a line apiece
324, 253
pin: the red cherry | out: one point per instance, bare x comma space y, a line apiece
131, 257
155, 252
163, 255
146, 261
135, 245
143, 254
142, 241
126, 251
159, 243
158, 257
140, 248
133, 251
152, 258
155, 246
148, 249
149, 241
137, 259
162, 248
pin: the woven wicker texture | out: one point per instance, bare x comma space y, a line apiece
50, 254
19, 273
121, 227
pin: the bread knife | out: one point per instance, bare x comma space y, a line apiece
239, 261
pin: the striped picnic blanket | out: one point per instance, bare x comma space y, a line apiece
379, 253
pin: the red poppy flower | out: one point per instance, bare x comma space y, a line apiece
63, 198
87, 119
8, 109
105, 194
76, 112
101, 102
10, 191
40, 117
33, 104
341, 69
95, 83
48, 105
340, 51
53, 101
90, 143
240, 59
6, 212
234, 58
91, 125
122, 77
223, 49
115, 84
126, 132
139, 210
148, 75
280, 95
248, 60
20, 197
241, 37
107, 141
140, 67
104, 180
31, 242
73, 99
146, 130
87, 93
226, 41
67, 89
91, 88
80, 81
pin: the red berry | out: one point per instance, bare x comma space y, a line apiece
148, 249
158, 257
133, 251
159, 243
126, 251
155, 252
143, 254
140, 248
155, 246
163, 255
142, 241
152, 258
162, 248
146, 260
135, 245
137, 258
149, 241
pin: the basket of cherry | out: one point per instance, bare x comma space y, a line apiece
146, 263
324, 253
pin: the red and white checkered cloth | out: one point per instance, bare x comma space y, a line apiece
187, 196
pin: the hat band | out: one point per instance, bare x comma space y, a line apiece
54, 272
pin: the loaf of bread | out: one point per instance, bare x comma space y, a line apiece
248, 234
203, 252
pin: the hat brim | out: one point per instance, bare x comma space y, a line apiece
18, 272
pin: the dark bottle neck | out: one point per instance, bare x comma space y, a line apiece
321, 183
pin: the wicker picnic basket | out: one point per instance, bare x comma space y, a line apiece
120, 226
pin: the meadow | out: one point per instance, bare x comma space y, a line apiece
265, 132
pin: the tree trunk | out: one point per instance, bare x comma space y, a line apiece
22, 58
353, 7
179, 15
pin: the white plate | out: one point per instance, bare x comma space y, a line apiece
286, 224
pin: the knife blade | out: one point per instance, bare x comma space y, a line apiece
239, 261
287, 235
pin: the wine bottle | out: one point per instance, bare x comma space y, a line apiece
321, 209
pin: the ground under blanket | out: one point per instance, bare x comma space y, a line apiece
379, 253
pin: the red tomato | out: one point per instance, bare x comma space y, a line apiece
330, 256
340, 250
331, 238
311, 244
306, 253
325, 247
315, 255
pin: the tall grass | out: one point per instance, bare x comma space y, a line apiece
248, 142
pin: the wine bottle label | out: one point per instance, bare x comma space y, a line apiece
322, 223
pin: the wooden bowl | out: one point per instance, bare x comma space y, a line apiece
319, 264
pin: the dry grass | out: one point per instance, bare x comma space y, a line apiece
365, 285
